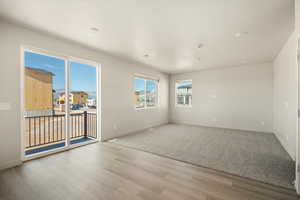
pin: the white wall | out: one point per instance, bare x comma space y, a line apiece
285, 95
237, 98
297, 19
117, 89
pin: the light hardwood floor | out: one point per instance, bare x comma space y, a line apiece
111, 172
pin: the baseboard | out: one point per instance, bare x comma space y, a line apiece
229, 128
135, 131
10, 164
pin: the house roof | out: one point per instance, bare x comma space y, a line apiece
41, 71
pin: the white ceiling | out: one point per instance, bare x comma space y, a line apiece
168, 30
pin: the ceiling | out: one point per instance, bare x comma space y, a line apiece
166, 34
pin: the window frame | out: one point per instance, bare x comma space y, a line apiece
147, 78
175, 96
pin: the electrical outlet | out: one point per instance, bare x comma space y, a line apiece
262, 123
214, 119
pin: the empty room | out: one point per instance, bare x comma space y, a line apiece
146, 100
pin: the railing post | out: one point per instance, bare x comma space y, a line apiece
85, 123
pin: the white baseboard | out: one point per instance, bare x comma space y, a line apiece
133, 131
229, 128
10, 164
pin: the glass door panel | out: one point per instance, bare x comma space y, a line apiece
44, 106
83, 102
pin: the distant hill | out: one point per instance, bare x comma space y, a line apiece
92, 95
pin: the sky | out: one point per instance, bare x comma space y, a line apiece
82, 77
139, 85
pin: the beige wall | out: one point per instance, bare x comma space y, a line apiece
119, 116
237, 98
285, 95
297, 14
286, 88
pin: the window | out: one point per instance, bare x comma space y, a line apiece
145, 92
183, 93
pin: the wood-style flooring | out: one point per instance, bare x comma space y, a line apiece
106, 171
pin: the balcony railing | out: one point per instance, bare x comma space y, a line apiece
45, 130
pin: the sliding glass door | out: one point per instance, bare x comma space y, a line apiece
83, 102
59, 102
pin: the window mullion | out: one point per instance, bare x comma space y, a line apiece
145, 93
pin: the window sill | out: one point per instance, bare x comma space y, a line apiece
183, 106
146, 108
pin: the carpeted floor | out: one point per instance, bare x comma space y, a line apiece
258, 156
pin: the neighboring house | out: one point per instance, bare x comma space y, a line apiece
76, 97
185, 89
91, 103
38, 92
184, 94
138, 99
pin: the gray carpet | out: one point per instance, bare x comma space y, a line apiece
257, 156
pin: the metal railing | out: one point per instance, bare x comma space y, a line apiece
44, 130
